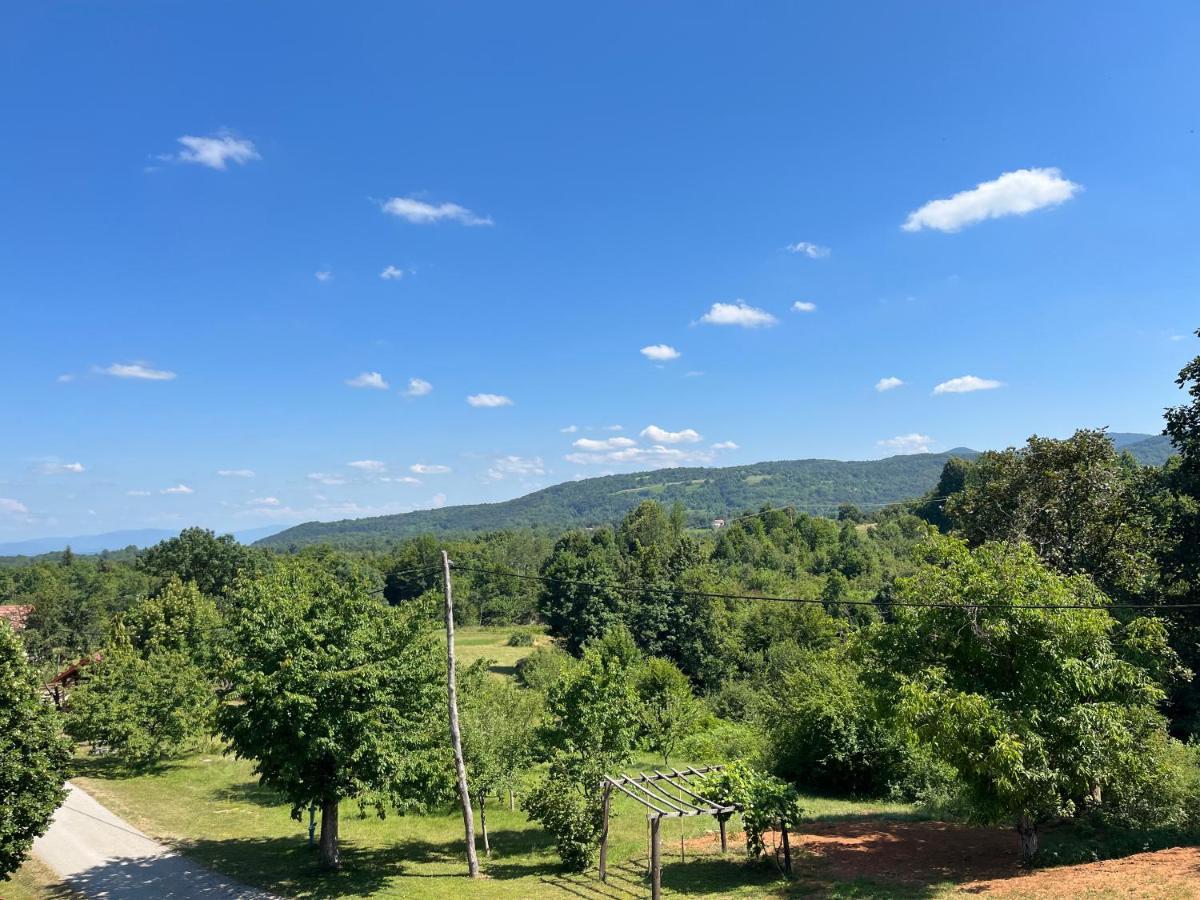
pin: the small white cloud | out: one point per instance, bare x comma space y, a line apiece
421, 213
368, 380
613, 428
965, 384
266, 501
613, 443
57, 468
391, 273
570, 429
1174, 337
662, 436
216, 152
236, 473
516, 467
8, 505
401, 479
660, 352
136, 370
137, 493
323, 275
656, 457
908, 443
887, 384
812, 251
804, 306
368, 465
426, 469
67, 377
326, 478
489, 400
725, 445
1012, 194
418, 387
178, 489
740, 314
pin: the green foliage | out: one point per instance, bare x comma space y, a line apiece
718, 741
520, 639
766, 802
670, 712
499, 723
33, 756
197, 555
544, 667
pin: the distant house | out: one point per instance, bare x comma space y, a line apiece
60, 685
718, 524
15, 615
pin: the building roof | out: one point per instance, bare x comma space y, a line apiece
15, 615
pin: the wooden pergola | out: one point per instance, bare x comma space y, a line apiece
650, 790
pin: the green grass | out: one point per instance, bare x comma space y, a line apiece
472, 642
33, 881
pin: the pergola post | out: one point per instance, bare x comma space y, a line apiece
604, 833
787, 850
724, 845
655, 859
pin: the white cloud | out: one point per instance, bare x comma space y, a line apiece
812, 251
424, 469
137, 370
1174, 337
326, 478
965, 384
137, 493
1012, 194
178, 489
614, 428
8, 505
368, 380
660, 352
516, 466
266, 501
489, 400
613, 443
421, 213
888, 383
323, 275
725, 445
391, 273
57, 468
804, 306
236, 473
401, 479
215, 152
570, 429
368, 465
739, 313
67, 377
662, 436
418, 387
657, 456
908, 443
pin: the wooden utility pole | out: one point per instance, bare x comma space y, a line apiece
460, 767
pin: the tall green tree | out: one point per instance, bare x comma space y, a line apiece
334, 695
33, 756
670, 711
1037, 708
198, 555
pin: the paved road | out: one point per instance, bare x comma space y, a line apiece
100, 855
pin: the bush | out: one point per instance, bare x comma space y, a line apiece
543, 667
1164, 794
720, 741
520, 639
766, 801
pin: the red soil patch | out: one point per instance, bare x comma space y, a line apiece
977, 860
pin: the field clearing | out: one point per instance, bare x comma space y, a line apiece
473, 642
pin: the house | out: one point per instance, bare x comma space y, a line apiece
718, 524
60, 685
15, 615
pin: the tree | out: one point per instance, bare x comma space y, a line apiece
34, 756
1037, 708
579, 612
334, 695
592, 724
199, 556
670, 711
499, 721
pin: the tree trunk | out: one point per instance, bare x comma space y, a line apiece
1027, 829
487, 847
331, 854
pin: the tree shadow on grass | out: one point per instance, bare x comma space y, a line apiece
249, 792
109, 768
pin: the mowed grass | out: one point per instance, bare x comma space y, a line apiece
472, 642
32, 881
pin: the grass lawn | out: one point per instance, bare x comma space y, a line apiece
472, 642
30, 882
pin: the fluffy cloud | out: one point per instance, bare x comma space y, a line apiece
136, 370
660, 352
216, 152
965, 384
489, 400
662, 436
401, 479
908, 443
1012, 194
423, 469
326, 478
9, 505
265, 501
655, 457
421, 213
178, 489
368, 380
236, 473
323, 275
725, 445
739, 313
516, 467
804, 306
391, 273
570, 429
67, 377
57, 468
887, 384
368, 465
812, 251
418, 387
613, 443
614, 428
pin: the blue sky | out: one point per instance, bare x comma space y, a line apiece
200, 201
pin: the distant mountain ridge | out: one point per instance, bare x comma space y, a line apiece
114, 540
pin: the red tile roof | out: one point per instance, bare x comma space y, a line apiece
15, 615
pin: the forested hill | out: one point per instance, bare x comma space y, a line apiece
810, 485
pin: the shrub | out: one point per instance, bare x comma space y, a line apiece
543, 667
721, 741
766, 801
520, 639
